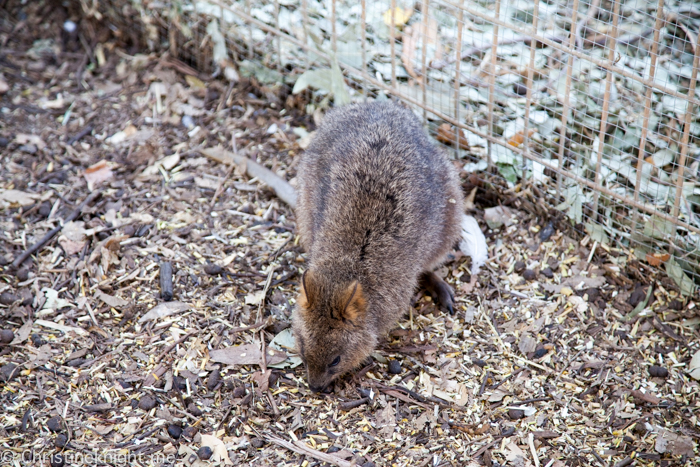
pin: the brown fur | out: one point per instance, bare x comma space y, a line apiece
378, 205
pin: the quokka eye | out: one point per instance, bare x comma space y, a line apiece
335, 361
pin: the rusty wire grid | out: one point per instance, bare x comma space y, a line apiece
594, 102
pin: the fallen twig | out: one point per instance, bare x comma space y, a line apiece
73, 215
282, 188
301, 448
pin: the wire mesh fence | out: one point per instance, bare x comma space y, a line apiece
593, 102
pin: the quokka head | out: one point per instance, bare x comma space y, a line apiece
332, 328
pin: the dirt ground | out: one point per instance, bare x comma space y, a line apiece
561, 352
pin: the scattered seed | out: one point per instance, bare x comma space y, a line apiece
7, 298
6, 336
204, 453
213, 380
547, 272
194, 410
516, 414
37, 340
8, 372
61, 441
257, 443
529, 275
147, 403
57, 460
519, 266
175, 431
547, 232
394, 367
658, 371
54, 424
213, 269
22, 274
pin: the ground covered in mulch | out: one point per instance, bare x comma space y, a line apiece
561, 352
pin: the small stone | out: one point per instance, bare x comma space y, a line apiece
213, 269
174, 431
529, 275
539, 353
257, 443
516, 414
45, 209
519, 267
204, 453
7, 298
479, 362
394, 367
54, 424
22, 274
57, 460
8, 372
333, 449
547, 272
147, 403
129, 230
508, 431
194, 410
61, 441
6, 336
546, 232
37, 340
4, 142
658, 371
239, 392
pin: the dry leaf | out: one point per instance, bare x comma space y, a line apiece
575, 282
97, 173
447, 134
24, 138
10, 198
219, 451
676, 445
262, 378
694, 366
114, 302
164, 309
401, 16
247, 354
23, 333
498, 216
52, 300
60, 327
518, 138
657, 258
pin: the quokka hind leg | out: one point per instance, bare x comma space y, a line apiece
439, 290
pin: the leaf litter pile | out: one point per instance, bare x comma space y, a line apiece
149, 323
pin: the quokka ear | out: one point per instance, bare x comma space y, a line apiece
354, 303
307, 293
